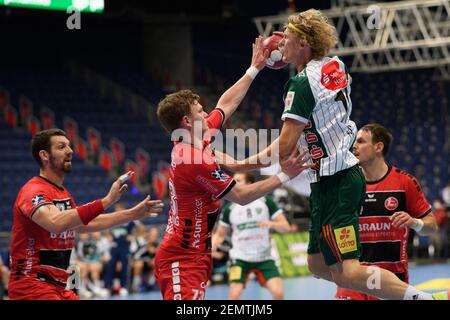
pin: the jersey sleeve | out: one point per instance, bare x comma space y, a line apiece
299, 100
31, 198
416, 204
215, 119
274, 211
210, 177
225, 216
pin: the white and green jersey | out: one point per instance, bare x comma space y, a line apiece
249, 242
319, 96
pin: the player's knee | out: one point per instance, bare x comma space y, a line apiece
235, 292
315, 267
277, 294
344, 277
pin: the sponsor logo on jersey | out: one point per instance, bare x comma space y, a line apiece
332, 77
62, 204
220, 175
316, 152
235, 273
378, 226
346, 239
370, 197
198, 223
391, 203
247, 225
289, 100
37, 200
207, 184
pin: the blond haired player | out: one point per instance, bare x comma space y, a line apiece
317, 113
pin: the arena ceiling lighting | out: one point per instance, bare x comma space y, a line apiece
96, 6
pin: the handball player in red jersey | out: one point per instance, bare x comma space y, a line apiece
183, 262
394, 204
46, 220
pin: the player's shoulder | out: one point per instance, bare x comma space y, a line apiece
328, 72
267, 199
33, 184
298, 82
402, 175
188, 158
228, 206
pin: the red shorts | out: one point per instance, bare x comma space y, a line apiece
27, 288
347, 294
182, 277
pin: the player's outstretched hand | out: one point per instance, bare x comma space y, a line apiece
259, 57
117, 189
296, 163
146, 208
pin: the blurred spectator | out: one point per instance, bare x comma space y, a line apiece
440, 239
446, 196
120, 255
143, 259
89, 259
4, 278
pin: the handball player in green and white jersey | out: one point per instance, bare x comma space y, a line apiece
250, 227
317, 108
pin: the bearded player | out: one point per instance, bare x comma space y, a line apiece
46, 221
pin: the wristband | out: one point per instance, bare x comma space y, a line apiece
283, 177
419, 225
90, 211
252, 72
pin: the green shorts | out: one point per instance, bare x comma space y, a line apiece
240, 271
335, 208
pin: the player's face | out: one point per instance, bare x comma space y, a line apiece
240, 178
363, 148
60, 158
291, 47
198, 114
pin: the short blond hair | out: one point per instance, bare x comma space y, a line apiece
313, 26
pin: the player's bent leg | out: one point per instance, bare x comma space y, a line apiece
318, 267
275, 287
372, 280
235, 292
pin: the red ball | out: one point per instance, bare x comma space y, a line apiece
275, 57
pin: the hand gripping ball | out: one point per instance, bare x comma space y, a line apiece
271, 43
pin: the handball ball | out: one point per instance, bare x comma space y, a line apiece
271, 43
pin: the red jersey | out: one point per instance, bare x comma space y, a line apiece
36, 252
196, 184
382, 244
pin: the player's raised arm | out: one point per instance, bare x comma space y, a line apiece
231, 99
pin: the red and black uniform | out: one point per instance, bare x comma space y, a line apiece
39, 259
382, 244
183, 262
